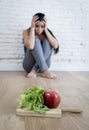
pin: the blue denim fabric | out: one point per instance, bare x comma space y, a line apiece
38, 58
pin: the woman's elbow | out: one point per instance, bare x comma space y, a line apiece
56, 45
30, 47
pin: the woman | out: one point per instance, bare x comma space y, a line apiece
39, 43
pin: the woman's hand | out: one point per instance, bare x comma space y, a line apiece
34, 21
45, 23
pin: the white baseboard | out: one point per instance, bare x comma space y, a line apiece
70, 67
11, 67
54, 67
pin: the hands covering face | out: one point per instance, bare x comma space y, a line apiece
45, 23
34, 21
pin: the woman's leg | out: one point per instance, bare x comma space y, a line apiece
28, 61
47, 50
34, 59
38, 55
28, 64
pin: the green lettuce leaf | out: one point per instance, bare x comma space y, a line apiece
32, 99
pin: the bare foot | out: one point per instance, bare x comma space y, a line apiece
48, 74
32, 74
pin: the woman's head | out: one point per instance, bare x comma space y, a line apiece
41, 16
39, 26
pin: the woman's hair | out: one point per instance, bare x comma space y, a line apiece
41, 18
40, 15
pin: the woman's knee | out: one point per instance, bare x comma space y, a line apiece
37, 41
47, 49
37, 45
46, 46
26, 67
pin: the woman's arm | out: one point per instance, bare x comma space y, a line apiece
29, 38
53, 41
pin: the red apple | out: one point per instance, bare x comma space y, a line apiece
51, 98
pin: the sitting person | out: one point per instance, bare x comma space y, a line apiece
39, 43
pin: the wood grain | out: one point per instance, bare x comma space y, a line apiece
72, 86
39, 123
52, 113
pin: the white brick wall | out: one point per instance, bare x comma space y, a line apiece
69, 21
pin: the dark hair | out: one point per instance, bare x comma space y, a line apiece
41, 16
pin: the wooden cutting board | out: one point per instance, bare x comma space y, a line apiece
49, 120
52, 113
71, 109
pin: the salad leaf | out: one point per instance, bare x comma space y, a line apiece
32, 99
